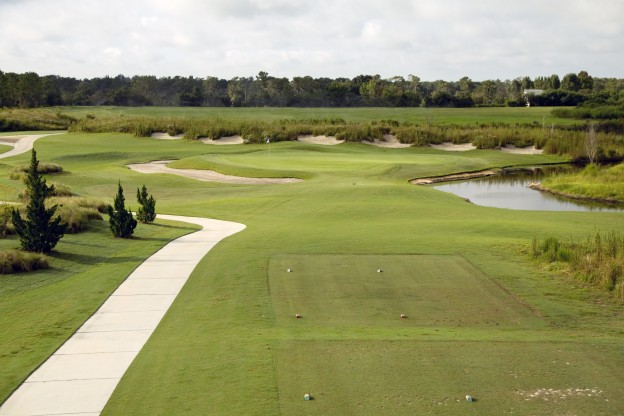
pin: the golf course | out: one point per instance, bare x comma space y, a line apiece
372, 295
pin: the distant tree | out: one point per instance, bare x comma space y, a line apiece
591, 144
147, 211
38, 232
586, 82
570, 82
121, 222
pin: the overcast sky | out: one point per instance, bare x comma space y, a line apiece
433, 39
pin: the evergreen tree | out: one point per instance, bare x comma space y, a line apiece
122, 224
38, 232
147, 211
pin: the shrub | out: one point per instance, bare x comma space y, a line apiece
14, 261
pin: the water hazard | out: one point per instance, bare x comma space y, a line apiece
510, 190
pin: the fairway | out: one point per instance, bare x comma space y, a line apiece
347, 290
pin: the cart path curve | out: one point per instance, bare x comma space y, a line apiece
79, 378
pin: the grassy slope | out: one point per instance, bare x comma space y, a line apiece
222, 349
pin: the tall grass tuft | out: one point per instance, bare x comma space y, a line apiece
14, 261
597, 260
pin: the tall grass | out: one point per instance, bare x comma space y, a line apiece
14, 261
597, 260
33, 119
553, 139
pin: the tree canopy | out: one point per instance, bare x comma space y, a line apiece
31, 90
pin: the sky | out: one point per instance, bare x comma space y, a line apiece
432, 39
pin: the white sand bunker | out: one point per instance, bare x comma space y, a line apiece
448, 146
531, 150
389, 141
160, 166
166, 136
324, 140
224, 140
10, 140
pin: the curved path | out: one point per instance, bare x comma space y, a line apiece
79, 378
21, 143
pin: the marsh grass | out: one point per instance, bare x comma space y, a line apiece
33, 119
593, 182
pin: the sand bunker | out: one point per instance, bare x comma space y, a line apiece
324, 140
206, 175
389, 141
454, 147
531, 150
10, 140
224, 140
166, 136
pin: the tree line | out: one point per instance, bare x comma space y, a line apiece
28, 90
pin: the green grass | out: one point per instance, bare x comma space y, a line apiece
231, 345
347, 290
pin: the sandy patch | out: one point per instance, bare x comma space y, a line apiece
166, 136
324, 140
206, 175
224, 140
531, 150
454, 147
21, 144
389, 141
10, 140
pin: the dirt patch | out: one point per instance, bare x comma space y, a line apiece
389, 141
455, 177
531, 150
448, 146
224, 140
166, 136
206, 175
324, 140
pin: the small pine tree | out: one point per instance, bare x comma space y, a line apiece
38, 232
122, 224
147, 211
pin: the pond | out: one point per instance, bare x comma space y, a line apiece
510, 190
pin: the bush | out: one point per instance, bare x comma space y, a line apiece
14, 261
77, 212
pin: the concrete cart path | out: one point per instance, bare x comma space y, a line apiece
81, 376
21, 143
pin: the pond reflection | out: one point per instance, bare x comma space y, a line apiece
510, 190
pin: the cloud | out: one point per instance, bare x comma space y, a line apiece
436, 39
